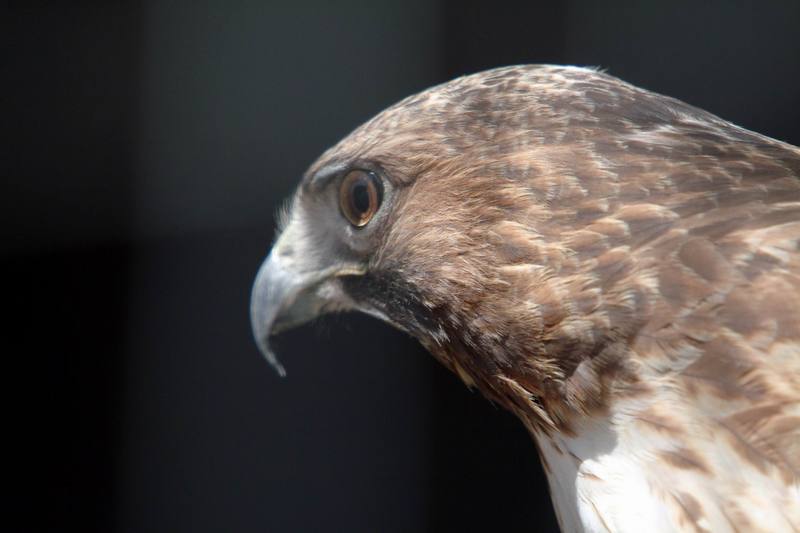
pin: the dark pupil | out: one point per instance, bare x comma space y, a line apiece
361, 197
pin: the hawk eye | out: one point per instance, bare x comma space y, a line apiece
359, 197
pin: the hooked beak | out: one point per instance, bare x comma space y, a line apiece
286, 295
271, 305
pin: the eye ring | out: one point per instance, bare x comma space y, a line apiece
360, 196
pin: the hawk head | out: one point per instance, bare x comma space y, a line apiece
525, 224
617, 268
457, 215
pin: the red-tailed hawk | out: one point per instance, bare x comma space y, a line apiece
619, 269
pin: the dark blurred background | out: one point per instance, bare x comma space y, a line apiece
146, 147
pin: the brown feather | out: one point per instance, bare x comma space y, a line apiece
578, 241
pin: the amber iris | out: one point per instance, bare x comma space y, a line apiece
359, 197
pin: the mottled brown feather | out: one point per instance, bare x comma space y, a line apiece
576, 240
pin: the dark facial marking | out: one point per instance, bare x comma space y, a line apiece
394, 297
